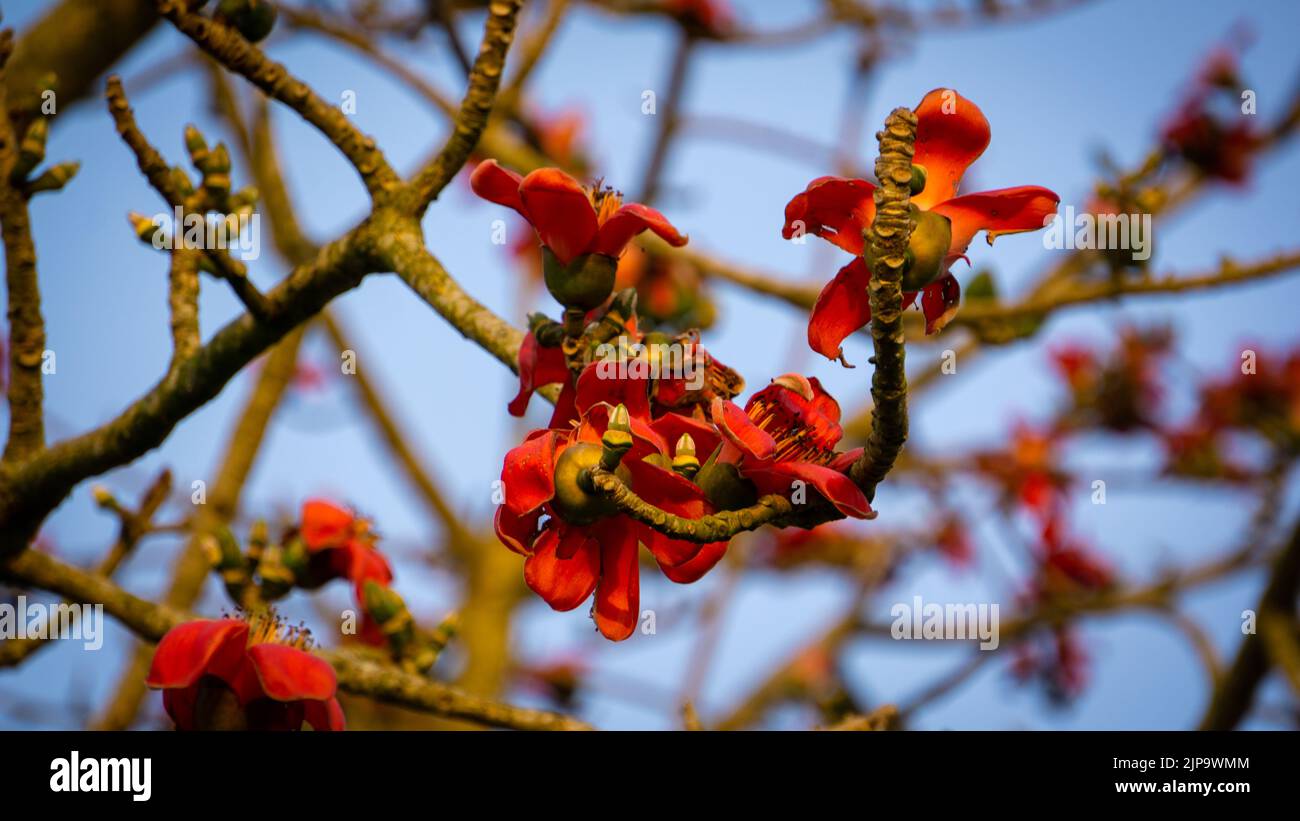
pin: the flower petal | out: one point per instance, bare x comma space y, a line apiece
606, 383
951, 133
189, 650
517, 532
741, 431
324, 715
1004, 211
629, 221
528, 474
561, 212
671, 426
325, 524
939, 301
675, 494
538, 366
692, 570
837, 488
837, 209
618, 595
562, 583
842, 308
496, 184
289, 674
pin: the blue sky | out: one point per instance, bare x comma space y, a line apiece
1056, 91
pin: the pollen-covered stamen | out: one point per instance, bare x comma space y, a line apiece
605, 200
268, 627
801, 433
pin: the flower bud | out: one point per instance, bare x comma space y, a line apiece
917, 184
146, 229
31, 150
617, 439
584, 283
196, 145
383, 604
252, 18
684, 458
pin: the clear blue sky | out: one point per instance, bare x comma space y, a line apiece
1056, 92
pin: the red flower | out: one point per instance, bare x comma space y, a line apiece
571, 220
951, 134
342, 546
228, 674
1220, 145
787, 433
583, 545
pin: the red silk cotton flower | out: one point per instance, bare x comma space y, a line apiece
342, 546
571, 220
227, 674
951, 134
786, 434
574, 542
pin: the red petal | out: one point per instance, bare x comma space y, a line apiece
517, 532
951, 133
838, 489
496, 184
740, 430
602, 383
562, 583
325, 524
538, 366
823, 402
189, 650
939, 302
837, 209
704, 561
842, 308
558, 207
364, 564
675, 494
630, 220
324, 715
671, 426
1005, 211
289, 674
528, 475
179, 704
618, 595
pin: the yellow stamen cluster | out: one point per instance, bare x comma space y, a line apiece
268, 627
794, 441
605, 200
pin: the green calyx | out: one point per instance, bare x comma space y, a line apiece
917, 184
584, 283
252, 18
927, 249
576, 501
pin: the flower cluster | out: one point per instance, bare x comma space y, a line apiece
1209, 129
674, 443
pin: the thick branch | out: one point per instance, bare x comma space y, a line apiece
889, 234
355, 675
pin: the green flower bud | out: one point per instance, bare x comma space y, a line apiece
31, 150
382, 603
584, 283
917, 184
53, 178
252, 18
